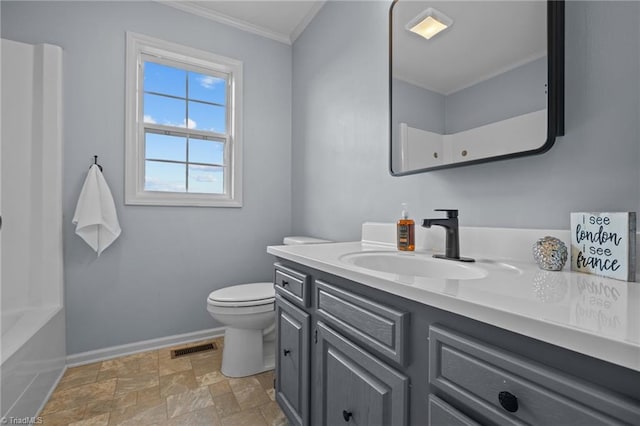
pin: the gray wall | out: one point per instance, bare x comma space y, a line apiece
515, 92
418, 107
154, 280
341, 132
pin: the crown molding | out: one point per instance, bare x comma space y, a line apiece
196, 9
306, 20
204, 12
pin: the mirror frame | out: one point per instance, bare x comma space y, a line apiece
555, 97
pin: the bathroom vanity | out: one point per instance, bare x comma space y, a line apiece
501, 343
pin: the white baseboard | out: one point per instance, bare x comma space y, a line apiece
142, 346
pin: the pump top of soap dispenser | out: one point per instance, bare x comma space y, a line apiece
405, 211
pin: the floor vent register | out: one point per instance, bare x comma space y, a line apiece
176, 353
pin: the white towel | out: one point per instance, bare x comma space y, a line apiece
95, 217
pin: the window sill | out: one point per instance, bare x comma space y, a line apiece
181, 200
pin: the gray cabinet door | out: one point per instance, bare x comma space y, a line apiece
292, 361
357, 388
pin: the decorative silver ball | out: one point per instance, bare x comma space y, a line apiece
550, 253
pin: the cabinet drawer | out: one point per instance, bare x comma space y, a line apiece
441, 413
376, 326
504, 388
293, 284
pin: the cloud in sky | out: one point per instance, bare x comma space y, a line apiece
204, 173
208, 82
190, 124
187, 122
166, 185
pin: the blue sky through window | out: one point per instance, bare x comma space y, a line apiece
165, 147
185, 100
164, 79
207, 88
164, 177
206, 179
203, 151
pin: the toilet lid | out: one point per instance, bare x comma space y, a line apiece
300, 240
243, 295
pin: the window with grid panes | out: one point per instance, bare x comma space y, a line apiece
184, 148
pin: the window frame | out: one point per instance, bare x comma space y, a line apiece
140, 47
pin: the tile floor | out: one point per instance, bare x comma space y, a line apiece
150, 388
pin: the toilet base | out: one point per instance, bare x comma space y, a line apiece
247, 352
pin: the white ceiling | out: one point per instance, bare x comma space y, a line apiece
510, 33
282, 20
486, 39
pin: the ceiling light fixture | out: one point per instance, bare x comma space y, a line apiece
429, 23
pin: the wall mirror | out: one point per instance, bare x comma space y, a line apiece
488, 87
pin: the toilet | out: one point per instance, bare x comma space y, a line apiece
248, 313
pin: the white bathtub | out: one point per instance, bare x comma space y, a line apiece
32, 343
18, 327
33, 360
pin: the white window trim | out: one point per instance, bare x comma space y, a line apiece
138, 44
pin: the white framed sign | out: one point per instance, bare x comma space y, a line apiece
604, 244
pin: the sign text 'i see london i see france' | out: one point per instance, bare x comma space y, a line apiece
604, 244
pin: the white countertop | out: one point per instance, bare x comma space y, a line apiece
596, 316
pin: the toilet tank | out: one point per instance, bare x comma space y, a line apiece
299, 240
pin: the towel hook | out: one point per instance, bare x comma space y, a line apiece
95, 161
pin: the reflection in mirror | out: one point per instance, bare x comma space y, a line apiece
487, 86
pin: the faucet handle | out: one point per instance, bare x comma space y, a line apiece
451, 213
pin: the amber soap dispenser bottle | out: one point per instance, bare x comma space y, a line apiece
406, 231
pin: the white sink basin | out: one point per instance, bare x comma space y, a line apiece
414, 264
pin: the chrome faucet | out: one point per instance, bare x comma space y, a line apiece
452, 245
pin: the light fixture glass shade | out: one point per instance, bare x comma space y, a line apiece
429, 23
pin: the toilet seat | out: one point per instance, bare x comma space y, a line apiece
243, 295
241, 304
247, 314
240, 310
